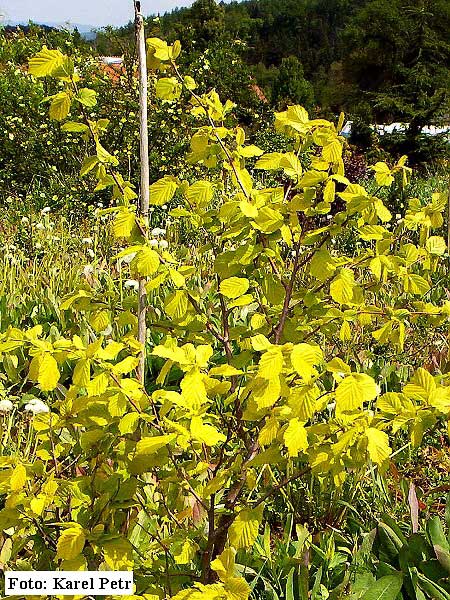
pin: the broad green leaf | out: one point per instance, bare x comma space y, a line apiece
168, 88
386, 588
87, 97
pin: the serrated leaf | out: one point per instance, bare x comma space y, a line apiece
44, 370
233, 287
45, 62
146, 261
163, 190
304, 358
150, 445
70, 543
60, 106
87, 97
18, 478
244, 530
377, 445
204, 433
295, 438
354, 390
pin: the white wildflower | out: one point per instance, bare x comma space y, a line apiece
37, 407
88, 241
157, 231
6, 406
91, 253
24, 220
131, 284
46, 210
40, 226
153, 242
163, 244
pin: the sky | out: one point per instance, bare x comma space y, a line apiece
86, 12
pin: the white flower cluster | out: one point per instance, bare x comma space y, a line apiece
35, 406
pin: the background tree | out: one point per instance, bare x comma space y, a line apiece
291, 85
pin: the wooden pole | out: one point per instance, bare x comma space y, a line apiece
144, 197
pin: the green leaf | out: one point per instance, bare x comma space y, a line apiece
386, 588
233, 287
73, 127
168, 88
87, 97
128, 423
45, 62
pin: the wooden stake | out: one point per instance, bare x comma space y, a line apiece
144, 197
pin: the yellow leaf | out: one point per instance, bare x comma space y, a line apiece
304, 357
18, 478
244, 530
269, 432
295, 438
146, 261
163, 190
82, 373
70, 543
44, 369
354, 390
46, 62
233, 287
150, 445
377, 445
206, 434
